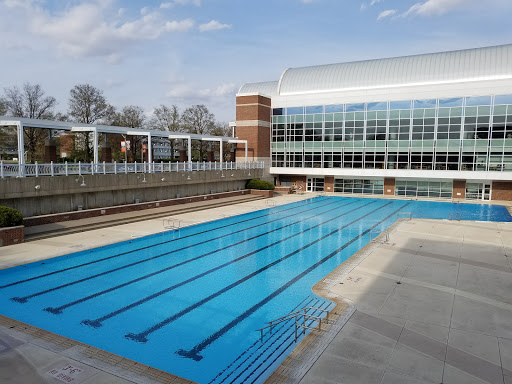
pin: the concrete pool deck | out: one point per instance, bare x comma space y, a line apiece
431, 305
448, 321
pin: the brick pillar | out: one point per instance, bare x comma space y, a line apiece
67, 144
50, 151
459, 189
501, 190
329, 184
232, 153
389, 186
106, 153
253, 113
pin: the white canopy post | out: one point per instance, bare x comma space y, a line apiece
240, 142
95, 139
21, 149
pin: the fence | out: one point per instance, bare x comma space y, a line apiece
65, 169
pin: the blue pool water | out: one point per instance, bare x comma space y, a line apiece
190, 303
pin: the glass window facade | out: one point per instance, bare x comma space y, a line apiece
463, 134
359, 186
417, 188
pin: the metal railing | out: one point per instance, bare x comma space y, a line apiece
171, 223
299, 315
270, 203
401, 214
455, 216
378, 232
65, 169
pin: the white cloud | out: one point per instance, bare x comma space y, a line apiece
184, 91
171, 4
96, 29
213, 25
309, 1
434, 7
386, 13
373, 2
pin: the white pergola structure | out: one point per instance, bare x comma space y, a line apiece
220, 140
21, 123
189, 144
236, 141
95, 139
148, 134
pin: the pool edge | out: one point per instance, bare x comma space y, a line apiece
295, 366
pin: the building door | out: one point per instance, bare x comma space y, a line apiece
315, 184
486, 195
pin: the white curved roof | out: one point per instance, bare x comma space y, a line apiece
446, 67
268, 88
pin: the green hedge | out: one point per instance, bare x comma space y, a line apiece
10, 217
260, 184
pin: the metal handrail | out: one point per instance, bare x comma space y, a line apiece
171, 223
378, 232
65, 169
404, 213
270, 203
296, 315
457, 215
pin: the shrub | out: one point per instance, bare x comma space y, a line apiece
260, 184
10, 217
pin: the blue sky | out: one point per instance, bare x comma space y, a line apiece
188, 52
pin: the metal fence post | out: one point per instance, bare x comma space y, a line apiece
104, 169
51, 168
79, 168
135, 167
1, 169
37, 170
115, 167
66, 168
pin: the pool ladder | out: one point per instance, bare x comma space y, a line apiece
270, 203
300, 317
455, 216
379, 232
171, 224
401, 215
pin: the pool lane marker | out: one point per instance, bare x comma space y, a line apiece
58, 310
194, 353
142, 336
98, 322
26, 298
161, 243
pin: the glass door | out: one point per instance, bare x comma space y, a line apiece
315, 184
486, 195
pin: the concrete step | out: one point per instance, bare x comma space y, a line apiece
45, 231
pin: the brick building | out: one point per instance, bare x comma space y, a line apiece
432, 126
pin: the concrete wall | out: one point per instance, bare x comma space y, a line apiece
64, 193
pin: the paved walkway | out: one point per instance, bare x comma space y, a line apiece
433, 305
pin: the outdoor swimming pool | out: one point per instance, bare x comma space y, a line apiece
190, 303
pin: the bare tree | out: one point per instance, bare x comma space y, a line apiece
132, 116
197, 119
87, 105
223, 129
166, 119
3, 107
30, 102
